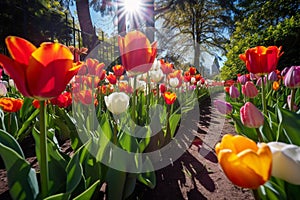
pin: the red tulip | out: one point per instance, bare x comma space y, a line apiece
193, 70
63, 100
118, 70
260, 59
40, 73
112, 79
137, 53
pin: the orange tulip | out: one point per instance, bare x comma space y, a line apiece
260, 59
166, 67
8, 104
244, 162
275, 85
169, 97
137, 53
40, 73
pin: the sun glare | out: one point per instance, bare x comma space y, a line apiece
132, 6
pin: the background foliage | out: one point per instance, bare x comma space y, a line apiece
267, 23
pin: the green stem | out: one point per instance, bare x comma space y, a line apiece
43, 149
255, 194
157, 92
263, 95
293, 92
133, 99
259, 136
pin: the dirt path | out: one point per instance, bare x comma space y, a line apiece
196, 174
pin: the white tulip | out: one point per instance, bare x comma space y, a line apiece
286, 161
173, 82
156, 65
3, 89
117, 102
156, 75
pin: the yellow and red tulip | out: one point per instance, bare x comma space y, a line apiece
137, 54
118, 70
42, 72
260, 59
244, 162
169, 97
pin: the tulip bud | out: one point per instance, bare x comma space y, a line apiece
249, 89
251, 116
284, 71
253, 76
223, 107
295, 107
234, 92
242, 79
156, 75
292, 77
11, 82
259, 81
3, 89
286, 161
174, 82
273, 76
117, 102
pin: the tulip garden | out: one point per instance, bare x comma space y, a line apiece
124, 124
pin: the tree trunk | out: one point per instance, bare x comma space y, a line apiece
197, 56
88, 33
121, 19
150, 21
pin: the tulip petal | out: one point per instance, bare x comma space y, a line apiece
286, 162
237, 172
49, 52
19, 49
17, 72
48, 81
236, 143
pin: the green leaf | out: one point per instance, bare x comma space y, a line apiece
174, 121
129, 185
60, 196
22, 179
148, 178
74, 172
88, 193
27, 123
115, 184
7, 140
291, 124
128, 142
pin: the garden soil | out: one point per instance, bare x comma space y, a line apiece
195, 175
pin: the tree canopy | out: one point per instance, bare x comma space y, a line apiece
267, 23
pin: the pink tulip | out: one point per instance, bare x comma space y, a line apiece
223, 107
251, 116
249, 89
273, 76
234, 92
292, 77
